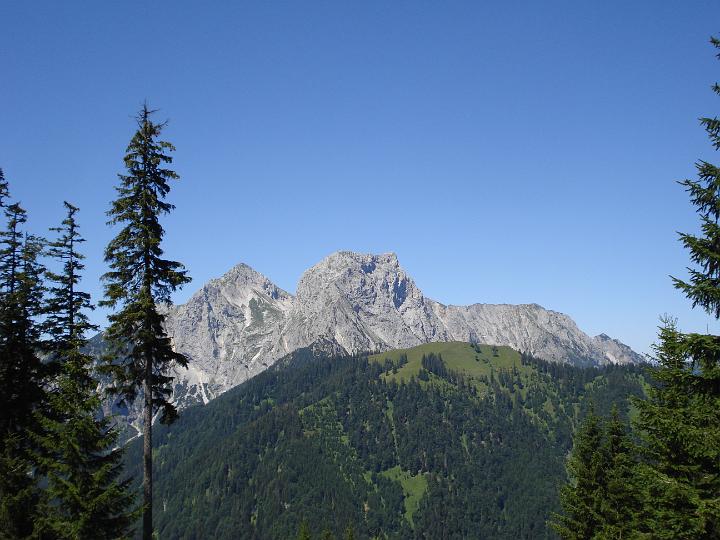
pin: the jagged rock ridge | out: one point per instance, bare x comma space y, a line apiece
238, 325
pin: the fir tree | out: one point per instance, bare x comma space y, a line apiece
19, 493
679, 425
139, 279
703, 286
84, 498
12, 243
620, 503
681, 418
22, 373
4, 189
581, 497
601, 499
66, 320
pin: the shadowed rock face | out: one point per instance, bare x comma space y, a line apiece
238, 325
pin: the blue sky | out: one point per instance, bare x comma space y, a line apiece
508, 152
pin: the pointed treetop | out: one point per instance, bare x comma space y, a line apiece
4, 190
703, 285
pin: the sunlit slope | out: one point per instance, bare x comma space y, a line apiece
476, 361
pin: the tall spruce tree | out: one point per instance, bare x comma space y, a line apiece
138, 281
85, 498
674, 422
680, 421
4, 189
22, 373
600, 500
620, 503
581, 497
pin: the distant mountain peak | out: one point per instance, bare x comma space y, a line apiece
243, 277
351, 261
243, 273
390, 256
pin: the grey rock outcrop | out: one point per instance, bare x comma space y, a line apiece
227, 330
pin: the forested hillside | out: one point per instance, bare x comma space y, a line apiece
446, 440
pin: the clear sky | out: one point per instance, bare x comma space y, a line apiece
507, 151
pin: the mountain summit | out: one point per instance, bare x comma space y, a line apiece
238, 325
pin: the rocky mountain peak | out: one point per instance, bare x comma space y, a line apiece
363, 278
347, 268
242, 277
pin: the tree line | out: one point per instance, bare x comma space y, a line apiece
61, 471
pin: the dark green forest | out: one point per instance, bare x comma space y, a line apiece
472, 447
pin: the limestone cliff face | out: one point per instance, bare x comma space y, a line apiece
362, 302
238, 325
227, 329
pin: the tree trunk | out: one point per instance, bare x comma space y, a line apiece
147, 452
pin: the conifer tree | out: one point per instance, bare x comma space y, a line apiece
681, 418
4, 189
138, 281
620, 503
12, 248
22, 373
84, 498
600, 501
66, 320
673, 422
581, 497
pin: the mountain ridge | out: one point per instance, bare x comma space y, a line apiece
239, 324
